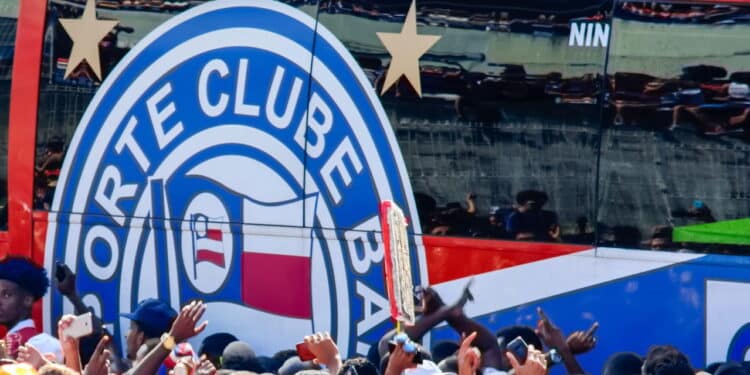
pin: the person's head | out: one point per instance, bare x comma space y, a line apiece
55, 145
293, 365
240, 356
281, 356
358, 366
661, 238
666, 360
55, 369
21, 284
530, 200
150, 319
731, 368
213, 346
623, 364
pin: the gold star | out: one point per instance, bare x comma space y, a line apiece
86, 33
406, 48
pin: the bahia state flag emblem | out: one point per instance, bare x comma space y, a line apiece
238, 155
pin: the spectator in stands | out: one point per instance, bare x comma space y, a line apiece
42, 196
661, 238
456, 220
713, 119
150, 319
51, 162
21, 284
529, 222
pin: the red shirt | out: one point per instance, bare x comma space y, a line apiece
18, 336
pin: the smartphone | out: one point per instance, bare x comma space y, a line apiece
304, 353
519, 349
59, 271
82, 326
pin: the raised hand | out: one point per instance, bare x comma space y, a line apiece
184, 326
550, 334
99, 362
535, 363
31, 355
399, 360
469, 357
580, 342
205, 367
325, 350
69, 345
67, 286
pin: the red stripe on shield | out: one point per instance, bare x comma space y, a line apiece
279, 284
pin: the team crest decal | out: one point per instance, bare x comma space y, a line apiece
226, 159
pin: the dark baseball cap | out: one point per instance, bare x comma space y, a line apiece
153, 317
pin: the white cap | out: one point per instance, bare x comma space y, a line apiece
47, 344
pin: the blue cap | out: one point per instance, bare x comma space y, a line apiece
153, 317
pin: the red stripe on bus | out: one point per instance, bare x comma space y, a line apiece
451, 258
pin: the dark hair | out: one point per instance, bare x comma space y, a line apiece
282, 355
358, 366
216, 343
537, 196
623, 364
526, 333
666, 360
56, 144
731, 368
239, 356
26, 274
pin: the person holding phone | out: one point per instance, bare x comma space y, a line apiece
21, 284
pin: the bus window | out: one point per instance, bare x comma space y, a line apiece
8, 20
675, 149
64, 94
502, 142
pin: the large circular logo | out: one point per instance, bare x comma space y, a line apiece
238, 155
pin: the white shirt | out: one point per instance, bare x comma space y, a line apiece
28, 323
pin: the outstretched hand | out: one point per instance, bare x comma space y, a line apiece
99, 362
205, 367
469, 357
67, 286
185, 325
549, 333
535, 363
580, 342
325, 350
31, 355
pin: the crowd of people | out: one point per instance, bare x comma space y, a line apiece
157, 342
